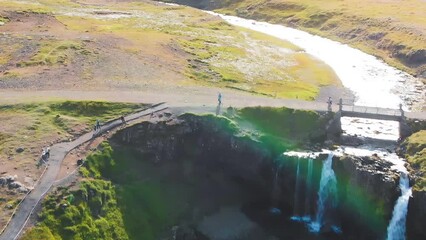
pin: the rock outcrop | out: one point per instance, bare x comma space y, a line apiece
211, 147
9, 182
368, 189
416, 217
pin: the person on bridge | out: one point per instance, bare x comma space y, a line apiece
123, 120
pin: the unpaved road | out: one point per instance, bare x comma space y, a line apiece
189, 98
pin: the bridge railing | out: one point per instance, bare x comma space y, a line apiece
348, 105
372, 110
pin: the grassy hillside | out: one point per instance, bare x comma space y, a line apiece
416, 156
32, 127
130, 45
113, 201
394, 30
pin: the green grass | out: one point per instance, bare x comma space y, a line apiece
93, 214
296, 125
358, 23
3, 20
39, 233
251, 62
416, 156
66, 113
34, 126
122, 207
215, 53
53, 52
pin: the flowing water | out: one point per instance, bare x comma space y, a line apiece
300, 214
396, 228
327, 194
297, 190
387, 86
307, 216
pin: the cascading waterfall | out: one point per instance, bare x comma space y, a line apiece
307, 216
297, 211
396, 228
326, 194
297, 190
275, 188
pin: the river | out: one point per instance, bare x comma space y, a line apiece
374, 83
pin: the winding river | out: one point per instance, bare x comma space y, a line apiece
375, 83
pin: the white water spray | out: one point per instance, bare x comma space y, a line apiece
396, 228
308, 190
297, 190
326, 194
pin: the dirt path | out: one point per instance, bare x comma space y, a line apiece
57, 154
190, 98
184, 96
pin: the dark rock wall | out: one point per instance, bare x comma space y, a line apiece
367, 188
416, 218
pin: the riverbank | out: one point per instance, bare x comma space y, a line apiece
391, 30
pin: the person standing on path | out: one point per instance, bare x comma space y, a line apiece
98, 124
219, 98
329, 102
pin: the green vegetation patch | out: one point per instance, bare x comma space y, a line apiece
39, 233
83, 112
416, 156
364, 24
283, 122
255, 63
53, 52
32, 126
3, 20
94, 109
148, 207
91, 213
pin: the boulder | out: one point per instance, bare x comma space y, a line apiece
23, 189
14, 185
3, 181
11, 178
19, 149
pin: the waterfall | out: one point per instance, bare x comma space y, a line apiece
396, 228
326, 194
308, 190
275, 191
297, 190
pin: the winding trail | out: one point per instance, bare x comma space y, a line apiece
57, 154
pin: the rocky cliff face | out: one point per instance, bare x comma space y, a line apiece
194, 146
416, 216
367, 194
